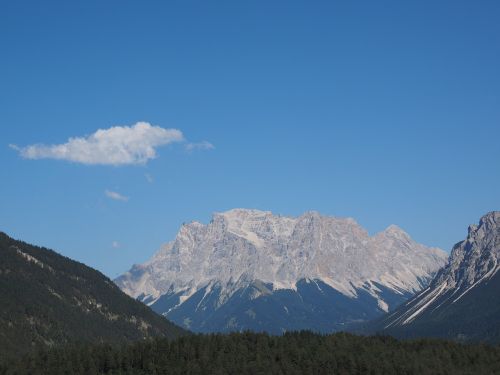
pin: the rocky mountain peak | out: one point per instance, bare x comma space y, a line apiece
472, 261
483, 239
476, 259
489, 224
466, 288
394, 229
241, 214
396, 232
242, 245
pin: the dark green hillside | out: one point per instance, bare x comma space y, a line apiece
47, 299
250, 353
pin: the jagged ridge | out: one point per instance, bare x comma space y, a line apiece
463, 300
240, 247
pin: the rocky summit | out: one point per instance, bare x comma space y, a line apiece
250, 269
463, 300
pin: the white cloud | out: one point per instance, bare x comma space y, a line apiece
204, 145
116, 196
118, 145
115, 245
149, 178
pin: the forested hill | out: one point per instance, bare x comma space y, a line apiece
251, 353
47, 299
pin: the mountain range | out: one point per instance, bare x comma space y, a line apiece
463, 300
250, 269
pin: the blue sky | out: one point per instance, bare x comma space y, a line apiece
386, 111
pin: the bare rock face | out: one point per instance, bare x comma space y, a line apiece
474, 260
215, 277
463, 300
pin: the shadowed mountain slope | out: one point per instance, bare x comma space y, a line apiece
47, 299
463, 300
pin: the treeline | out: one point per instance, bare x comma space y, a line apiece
252, 353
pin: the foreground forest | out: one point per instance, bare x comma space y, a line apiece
252, 353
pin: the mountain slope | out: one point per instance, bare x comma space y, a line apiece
250, 269
463, 301
47, 299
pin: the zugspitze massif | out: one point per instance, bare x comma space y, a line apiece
250, 269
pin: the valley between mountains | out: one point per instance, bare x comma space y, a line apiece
250, 270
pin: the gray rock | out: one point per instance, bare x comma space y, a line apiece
241, 247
